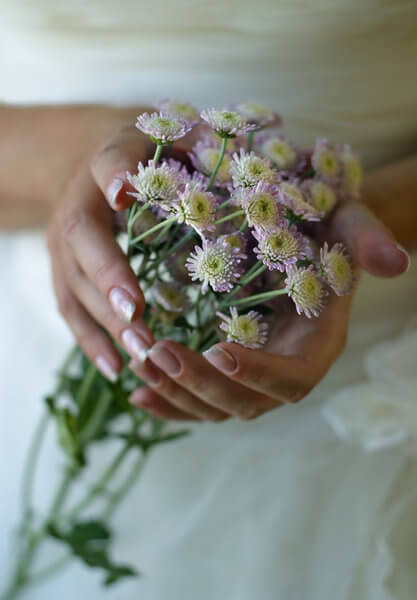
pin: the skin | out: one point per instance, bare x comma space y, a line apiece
70, 156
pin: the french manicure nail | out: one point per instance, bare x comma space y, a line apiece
404, 251
106, 369
113, 191
221, 359
135, 345
165, 360
122, 304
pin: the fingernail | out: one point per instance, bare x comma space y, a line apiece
145, 371
113, 191
221, 359
165, 360
135, 345
404, 251
106, 369
122, 304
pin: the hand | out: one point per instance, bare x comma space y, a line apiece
97, 290
230, 380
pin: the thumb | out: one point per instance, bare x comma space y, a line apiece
371, 245
119, 154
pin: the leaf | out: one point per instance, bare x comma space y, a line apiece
67, 435
89, 541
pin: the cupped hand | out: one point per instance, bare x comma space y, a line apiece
97, 291
229, 380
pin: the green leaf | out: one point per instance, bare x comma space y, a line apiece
67, 435
89, 541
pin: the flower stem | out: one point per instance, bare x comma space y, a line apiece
244, 224
152, 230
259, 298
251, 138
158, 152
229, 217
171, 251
218, 164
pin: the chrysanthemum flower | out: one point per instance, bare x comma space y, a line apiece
162, 128
247, 330
235, 239
306, 290
257, 114
352, 172
261, 206
336, 269
216, 264
227, 123
326, 160
248, 170
170, 296
280, 152
204, 158
157, 184
320, 195
291, 196
180, 110
196, 207
281, 247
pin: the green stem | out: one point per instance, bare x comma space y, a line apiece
161, 234
93, 424
30, 466
251, 138
152, 230
244, 224
99, 487
223, 205
253, 272
229, 217
259, 298
158, 152
218, 164
154, 264
129, 482
84, 389
138, 214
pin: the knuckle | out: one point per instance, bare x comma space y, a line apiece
71, 222
105, 269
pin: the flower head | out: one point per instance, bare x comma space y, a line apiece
306, 290
282, 154
257, 114
163, 128
326, 160
247, 330
216, 264
227, 123
235, 239
249, 169
336, 269
196, 207
170, 296
321, 195
261, 207
352, 172
204, 158
157, 184
180, 110
281, 247
291, 196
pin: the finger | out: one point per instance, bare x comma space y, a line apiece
194, 374
119, 155
151, 402
93, 341
174, 394
97, 252
136, 339
370, 243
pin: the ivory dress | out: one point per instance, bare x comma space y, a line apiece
310, 502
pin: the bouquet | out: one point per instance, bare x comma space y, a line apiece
219, 244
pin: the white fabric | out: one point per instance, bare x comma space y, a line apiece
281, 507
